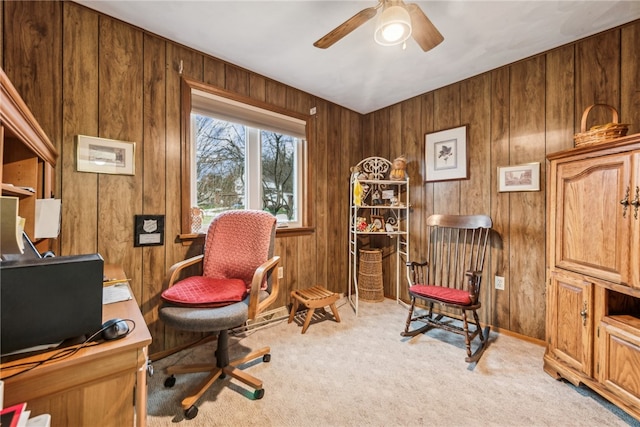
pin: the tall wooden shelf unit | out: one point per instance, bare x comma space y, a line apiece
593, 298
371, 175
27, 155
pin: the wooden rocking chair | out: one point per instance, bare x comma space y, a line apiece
451, 277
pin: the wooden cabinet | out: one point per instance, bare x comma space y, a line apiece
593, 255
27, 156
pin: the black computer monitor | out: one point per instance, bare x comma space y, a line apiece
48, 300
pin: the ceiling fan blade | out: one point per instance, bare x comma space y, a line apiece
423, 31
346, 27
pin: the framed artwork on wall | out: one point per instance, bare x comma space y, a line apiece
101, 155
525, 177
446, 155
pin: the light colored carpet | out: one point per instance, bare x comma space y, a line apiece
361, 372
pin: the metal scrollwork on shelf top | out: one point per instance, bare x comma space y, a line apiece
375, 168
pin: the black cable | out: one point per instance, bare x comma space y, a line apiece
63, 353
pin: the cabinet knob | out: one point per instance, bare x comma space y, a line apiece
625, 203
583, 313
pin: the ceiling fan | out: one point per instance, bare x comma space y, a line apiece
396, 23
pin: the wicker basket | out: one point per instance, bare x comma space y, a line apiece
370, 285
599, 133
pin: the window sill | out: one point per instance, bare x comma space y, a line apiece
298, 231
190, 238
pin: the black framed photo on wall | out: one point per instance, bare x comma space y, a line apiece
148, 230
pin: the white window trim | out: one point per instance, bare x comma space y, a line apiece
306, 216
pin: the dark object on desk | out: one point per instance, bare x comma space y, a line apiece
114, 329
30, 251
44, 301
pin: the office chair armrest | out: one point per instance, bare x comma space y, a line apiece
174, 271
255, 305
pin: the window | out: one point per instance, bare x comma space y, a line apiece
242, 156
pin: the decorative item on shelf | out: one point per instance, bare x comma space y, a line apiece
377, 223
361, 224
197, 216
376, 198
399, 169
358, 191
599, 133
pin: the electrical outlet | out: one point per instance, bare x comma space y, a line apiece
500, 283
280, 272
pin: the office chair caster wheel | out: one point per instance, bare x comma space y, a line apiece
258, 394
170, 381
266, 358
191, 412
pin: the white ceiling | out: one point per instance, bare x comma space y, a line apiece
275, 39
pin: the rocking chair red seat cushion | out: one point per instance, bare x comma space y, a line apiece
446, 295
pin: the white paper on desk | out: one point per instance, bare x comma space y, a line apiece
115, 293
47, 225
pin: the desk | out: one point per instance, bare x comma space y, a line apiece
95, 387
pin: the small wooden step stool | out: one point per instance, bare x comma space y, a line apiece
312, 298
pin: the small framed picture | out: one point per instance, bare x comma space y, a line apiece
446, 154
149, 230
100, 155
525, 177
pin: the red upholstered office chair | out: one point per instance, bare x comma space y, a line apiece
236, 284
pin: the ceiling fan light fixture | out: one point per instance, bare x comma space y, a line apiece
393, 26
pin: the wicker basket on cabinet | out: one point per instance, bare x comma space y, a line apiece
599, 133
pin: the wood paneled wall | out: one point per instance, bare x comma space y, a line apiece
515, 114
85, 73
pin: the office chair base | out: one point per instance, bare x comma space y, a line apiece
188, 403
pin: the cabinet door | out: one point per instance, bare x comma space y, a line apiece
592, 228
620, 357
570, 321
635, 223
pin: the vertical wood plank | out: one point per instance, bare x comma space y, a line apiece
559, 108
475, 193
153, 183
527, 213
630, 77
237, 79
413, 140
80, 117
214, 72
428, 199
447, 115
500, 242
325, 144
597, 77
120, 117
192, 64
37, 25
